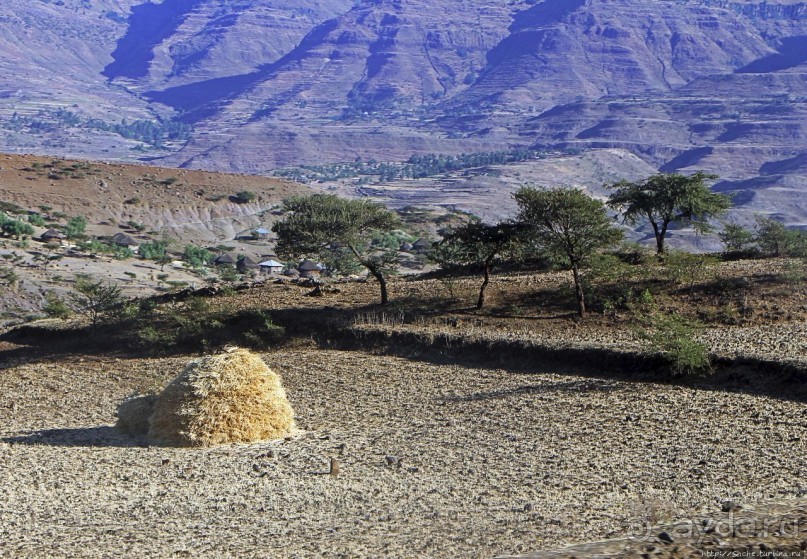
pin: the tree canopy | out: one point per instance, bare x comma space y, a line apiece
323, 225
94, 298
567, 223
666, 198
478, 243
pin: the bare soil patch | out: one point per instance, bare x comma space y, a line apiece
436, 460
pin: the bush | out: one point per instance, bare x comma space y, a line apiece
601, 273
736, 238
776, 239
198, 257
687, 268
18, 229
94, 246
228, 274
245, 196
673, 336
55, 306
265, 332
122, 253
154, 250
95, 298
75, 227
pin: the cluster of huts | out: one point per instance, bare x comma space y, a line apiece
421, 246
245, 265
270, 266
119, 239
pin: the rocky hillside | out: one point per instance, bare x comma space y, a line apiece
255, 85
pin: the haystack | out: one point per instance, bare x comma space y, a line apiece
134, 413
231, 397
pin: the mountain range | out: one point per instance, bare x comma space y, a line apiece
255, 85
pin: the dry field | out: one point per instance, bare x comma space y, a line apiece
436, 460
440, 454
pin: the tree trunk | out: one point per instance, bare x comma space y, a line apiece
375, 272
659, 238
578, 289
481, 301
381, 281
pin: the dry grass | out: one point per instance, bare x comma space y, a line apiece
232, 397
134, 413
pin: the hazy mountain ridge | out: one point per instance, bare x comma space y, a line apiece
718, 84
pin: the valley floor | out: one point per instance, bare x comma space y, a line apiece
436, 460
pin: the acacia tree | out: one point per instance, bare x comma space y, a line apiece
666, 198
478, 243
567, 223
774, 238
736, 238
322, 225
94, 298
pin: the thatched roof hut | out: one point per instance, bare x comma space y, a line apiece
247, 264
309, 269
224, 259
124, 240
52, 235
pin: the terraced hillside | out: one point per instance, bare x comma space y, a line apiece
255, 85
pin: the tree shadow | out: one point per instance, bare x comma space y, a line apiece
88, 437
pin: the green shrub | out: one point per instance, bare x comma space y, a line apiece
736, 238
245, 196
673, 336
264, 332
95, 298
198, 257
122, 253
55, 306
154, 250
794, 272
94, 246
686, 268
775, 239
36, 219
75, 227
15, 228
228, 274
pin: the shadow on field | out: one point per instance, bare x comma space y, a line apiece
365, 329
104, 436
592, 385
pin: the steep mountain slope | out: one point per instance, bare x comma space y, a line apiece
684, 84
366, 76
52, 54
